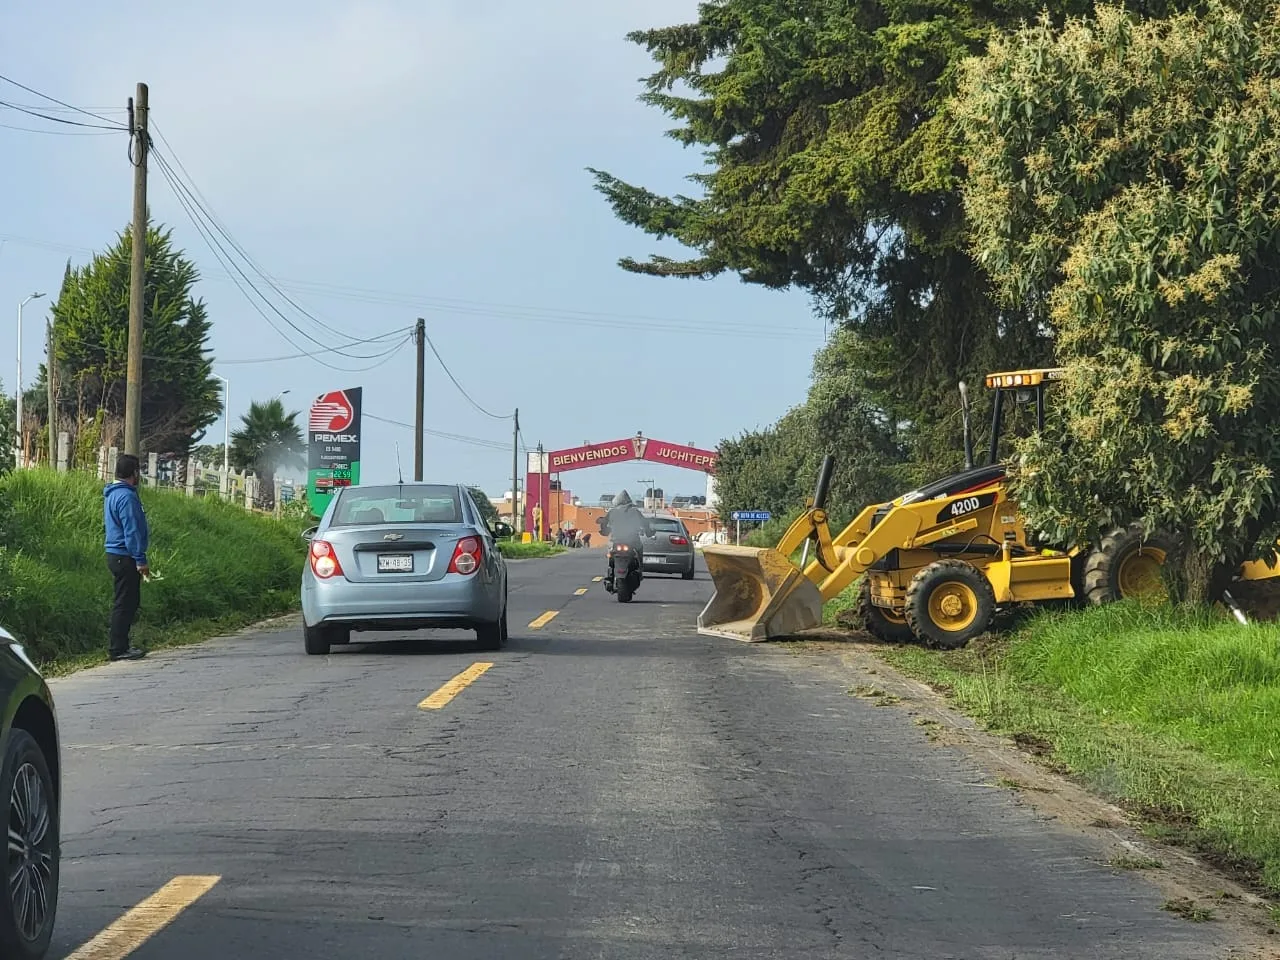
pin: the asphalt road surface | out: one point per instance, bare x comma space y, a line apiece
613, 786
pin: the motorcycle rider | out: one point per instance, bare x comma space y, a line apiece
624, 523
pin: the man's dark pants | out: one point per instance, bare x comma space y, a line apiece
128, 597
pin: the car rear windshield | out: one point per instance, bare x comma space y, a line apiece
363, 506
666, 525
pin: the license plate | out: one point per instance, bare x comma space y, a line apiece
395, 563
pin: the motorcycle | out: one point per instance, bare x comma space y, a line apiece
625, 570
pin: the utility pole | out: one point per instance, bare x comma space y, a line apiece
50, 375
516, 516
419, 338
137, 273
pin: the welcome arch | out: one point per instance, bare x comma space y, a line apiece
543, 464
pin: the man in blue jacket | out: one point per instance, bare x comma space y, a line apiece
127, 537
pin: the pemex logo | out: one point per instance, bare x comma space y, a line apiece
332, 413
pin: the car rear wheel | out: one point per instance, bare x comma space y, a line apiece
493, 635
30, 880
687, 574
316, 640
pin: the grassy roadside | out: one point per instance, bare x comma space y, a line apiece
1173, 715
222, 568
514, 550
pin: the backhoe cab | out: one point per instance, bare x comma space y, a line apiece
937, 562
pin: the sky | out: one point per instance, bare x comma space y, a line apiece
384, 161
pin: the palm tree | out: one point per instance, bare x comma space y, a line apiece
267, 440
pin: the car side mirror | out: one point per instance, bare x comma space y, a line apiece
309, 533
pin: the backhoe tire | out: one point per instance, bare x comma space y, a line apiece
879, 622
949, 603
1125, 565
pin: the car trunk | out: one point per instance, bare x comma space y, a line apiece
660, 543
396, 552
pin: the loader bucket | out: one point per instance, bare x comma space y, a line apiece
760, 595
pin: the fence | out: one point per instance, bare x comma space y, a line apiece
192, 477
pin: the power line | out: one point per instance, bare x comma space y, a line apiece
461, 389
481, 309
70, 123
457, 437
45, 96
382, 356
197, 216
203, 204
59, 133
369, 340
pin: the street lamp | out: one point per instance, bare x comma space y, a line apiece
19, 446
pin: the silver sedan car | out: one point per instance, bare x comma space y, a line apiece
670, 549
402, 557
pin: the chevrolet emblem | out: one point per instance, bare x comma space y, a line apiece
393, 536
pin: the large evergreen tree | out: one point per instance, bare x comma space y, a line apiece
91, 327
1126, 175
833, 166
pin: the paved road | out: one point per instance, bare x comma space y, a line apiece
613, 787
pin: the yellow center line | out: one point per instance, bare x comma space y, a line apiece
596, 579
580, 591
454, 687
543, 620
146, 919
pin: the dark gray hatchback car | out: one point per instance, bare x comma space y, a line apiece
31, 793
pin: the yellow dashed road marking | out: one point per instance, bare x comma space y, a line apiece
146, 919
580, 591
454, 687
543, 620
597, 579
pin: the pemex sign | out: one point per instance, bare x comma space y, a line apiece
333, 447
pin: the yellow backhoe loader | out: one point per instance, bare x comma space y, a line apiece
935, 563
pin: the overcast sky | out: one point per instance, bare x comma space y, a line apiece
388, 160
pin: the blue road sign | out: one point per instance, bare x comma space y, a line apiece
758, 515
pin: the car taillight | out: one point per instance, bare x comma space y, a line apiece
679, 541
324, 560
466, 556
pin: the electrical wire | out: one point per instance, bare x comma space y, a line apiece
456, 437
461, 389
203, 204
59, 133
481, 309
45, 96
193, 212
381, 357
70, 123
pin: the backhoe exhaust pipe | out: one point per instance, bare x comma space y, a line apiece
968, 433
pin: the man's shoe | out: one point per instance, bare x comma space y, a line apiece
133, 653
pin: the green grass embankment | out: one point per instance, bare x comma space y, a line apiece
1172, 714
222, 567
515, 550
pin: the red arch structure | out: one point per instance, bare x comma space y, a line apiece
543, 464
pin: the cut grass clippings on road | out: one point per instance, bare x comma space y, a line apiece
515, 550
222, 566
1172, 714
